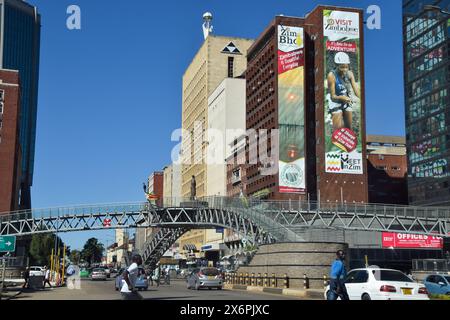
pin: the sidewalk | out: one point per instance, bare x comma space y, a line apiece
11, 291
300, 293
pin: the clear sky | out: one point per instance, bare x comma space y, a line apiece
110, 93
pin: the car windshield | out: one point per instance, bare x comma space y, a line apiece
391, 275
448, 279
210, 271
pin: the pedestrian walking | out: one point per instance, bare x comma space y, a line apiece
167, 276
26, 277
337, 277
47, 277
130, 276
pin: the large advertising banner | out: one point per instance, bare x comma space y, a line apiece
411, 241
291, 65
342, 60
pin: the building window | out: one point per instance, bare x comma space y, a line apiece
230, 67
1, 108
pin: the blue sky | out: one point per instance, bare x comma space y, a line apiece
110, 93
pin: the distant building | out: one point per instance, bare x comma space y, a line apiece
155, 185
426, 39
236, 166
387, 169
172, 185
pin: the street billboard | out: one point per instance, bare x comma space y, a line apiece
342, 81
410, 241
291, 120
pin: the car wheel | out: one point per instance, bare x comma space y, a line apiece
365, 296
209, 288
219, 288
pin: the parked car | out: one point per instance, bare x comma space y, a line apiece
205, 278
374, 283
108, 272
141, 281
437, 284
85, 273
98, 274
37, 271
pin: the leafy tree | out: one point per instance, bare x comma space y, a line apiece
75, 256
92, 251
41, 248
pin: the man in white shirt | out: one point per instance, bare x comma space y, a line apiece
47, 277
130, 276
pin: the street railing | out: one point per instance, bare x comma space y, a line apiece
273, 280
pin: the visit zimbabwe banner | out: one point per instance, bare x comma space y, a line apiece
343, 132
291, 109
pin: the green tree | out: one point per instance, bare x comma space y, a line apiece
92, 251
41, 248
75, 256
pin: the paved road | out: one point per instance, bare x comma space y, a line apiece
104, 290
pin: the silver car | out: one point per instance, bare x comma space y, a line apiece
98, 274
205, 278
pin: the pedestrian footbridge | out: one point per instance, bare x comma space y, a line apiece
258, 221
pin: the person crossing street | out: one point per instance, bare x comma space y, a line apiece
130, 276
337, 277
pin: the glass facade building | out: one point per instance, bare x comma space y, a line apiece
20, 46
426, 34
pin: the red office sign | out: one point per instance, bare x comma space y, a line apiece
410, 241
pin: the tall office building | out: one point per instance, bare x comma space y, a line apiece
426, 32
218, 58
20, 25
321, 142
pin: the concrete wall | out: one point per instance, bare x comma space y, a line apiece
295, 260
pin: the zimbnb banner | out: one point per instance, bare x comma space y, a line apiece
291, 64
343, 132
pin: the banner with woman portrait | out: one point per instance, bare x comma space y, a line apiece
342, 60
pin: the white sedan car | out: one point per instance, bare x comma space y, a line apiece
374, 283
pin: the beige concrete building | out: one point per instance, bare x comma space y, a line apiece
218, 58
226, 122
172, 185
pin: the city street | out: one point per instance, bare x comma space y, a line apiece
104, 290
